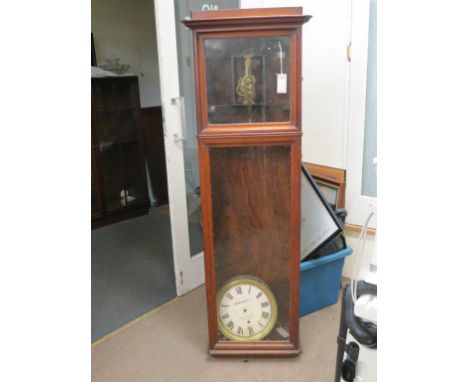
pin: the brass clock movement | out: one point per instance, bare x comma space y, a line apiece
246, 85
248, 94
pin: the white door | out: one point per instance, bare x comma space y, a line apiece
188, 269
362, 123
178, 106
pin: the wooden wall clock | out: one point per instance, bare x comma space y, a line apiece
248, 92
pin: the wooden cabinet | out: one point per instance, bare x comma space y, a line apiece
248, 92
118, 174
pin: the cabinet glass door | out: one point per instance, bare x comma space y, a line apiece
135, 175
113, 175
122, 170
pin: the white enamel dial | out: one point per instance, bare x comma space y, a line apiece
247, 309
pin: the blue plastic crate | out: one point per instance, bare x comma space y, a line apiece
320, 281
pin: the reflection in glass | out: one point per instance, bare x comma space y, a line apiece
247, 79
330, 192
190, 145
192, 184
94, 206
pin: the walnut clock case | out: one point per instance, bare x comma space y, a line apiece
248, 92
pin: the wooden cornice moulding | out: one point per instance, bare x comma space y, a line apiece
258, 17
247, 12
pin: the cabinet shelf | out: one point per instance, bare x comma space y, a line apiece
117, 141
113, 110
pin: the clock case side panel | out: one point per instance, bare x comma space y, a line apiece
287, 348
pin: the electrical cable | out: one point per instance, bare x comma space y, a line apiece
358, 259
359, 254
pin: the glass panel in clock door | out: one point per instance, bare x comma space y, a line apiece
250, 189
248, 79
95, 203
94, 197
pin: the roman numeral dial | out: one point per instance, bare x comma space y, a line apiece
247, 309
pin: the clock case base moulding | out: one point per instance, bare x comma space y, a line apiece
254, 350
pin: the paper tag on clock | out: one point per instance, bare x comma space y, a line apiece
281, 83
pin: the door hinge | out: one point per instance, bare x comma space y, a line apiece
181, 278
349, 51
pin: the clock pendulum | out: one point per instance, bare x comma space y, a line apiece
246, 86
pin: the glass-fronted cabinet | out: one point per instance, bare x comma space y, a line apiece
118, 185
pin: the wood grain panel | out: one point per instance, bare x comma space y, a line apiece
250, 189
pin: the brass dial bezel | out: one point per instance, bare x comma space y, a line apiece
263, 286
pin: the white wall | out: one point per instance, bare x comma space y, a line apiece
352, 240
324, 91
126, 29
325, 70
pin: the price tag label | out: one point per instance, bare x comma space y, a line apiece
281, 83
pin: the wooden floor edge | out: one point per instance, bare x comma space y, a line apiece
133, 322
358, 228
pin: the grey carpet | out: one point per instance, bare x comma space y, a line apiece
132, 270
170, 345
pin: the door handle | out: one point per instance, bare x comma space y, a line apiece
182, 134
